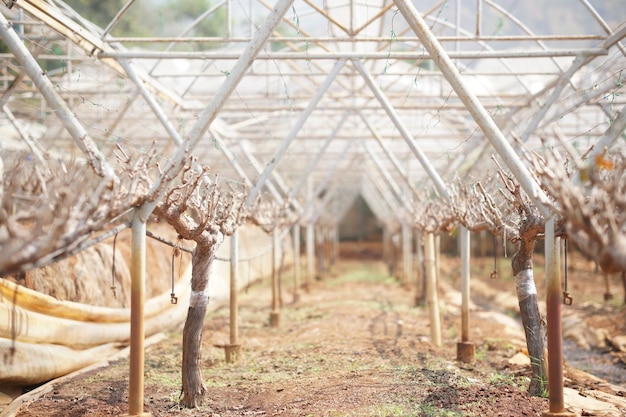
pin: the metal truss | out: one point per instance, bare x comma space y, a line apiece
294, 90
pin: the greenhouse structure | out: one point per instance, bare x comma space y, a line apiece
294, 115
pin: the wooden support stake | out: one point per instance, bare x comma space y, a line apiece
275, 313
296, 263
137, 324
431, 288
465, 350
553, 316
233, 350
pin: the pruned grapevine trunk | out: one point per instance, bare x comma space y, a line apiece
194, 389
522, 265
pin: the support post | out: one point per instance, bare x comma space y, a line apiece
407, 255
275, 313
465, 350
233, 350
431, 288
336, 243
296, 263
137, 324
420, 276
553, 317
310, 255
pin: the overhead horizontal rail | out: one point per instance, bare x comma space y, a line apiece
308, 55
334, 107
391, 72
353, 39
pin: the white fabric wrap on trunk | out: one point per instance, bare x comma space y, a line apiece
199, 298
525, 284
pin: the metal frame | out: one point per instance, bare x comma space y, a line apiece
429, 88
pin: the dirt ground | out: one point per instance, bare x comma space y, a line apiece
354, 345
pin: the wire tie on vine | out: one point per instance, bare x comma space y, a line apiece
113, 286
175, 253
567, 300
494, 274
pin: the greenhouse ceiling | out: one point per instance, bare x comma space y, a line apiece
381, 99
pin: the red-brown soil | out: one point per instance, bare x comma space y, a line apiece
355, 344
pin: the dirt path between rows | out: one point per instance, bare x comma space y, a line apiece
355, 345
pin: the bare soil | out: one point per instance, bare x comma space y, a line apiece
355, 344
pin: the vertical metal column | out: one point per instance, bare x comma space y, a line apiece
407, 255
137, 325
553, 317
431, 288
296, 262
310, 255
233, 350
465, 350
275, 313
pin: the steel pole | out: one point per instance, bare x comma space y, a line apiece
404, 131
465, 350
473, 105
431, 288
137, 325
209, 113
310, 255
553, 318
233, 350
296, 261
294, 131
615, 130
234, 259
65, 115
407, 255
275, 313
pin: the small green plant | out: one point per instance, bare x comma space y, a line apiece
502, 379
388, 410
431, 410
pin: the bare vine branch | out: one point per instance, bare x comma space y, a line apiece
591, 200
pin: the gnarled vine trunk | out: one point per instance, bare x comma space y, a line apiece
522, 265
194, 389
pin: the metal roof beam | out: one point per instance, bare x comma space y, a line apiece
318, 156
87, 41
243, 145
151, 101
430, 170
375, 202
230, 157
323, 185
387, 206
294, 130
209, 114
478, 112
65, 115
389, 153
615, 130
391, 183
386, 194
309, 55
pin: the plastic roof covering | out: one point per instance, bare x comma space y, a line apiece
344, 138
